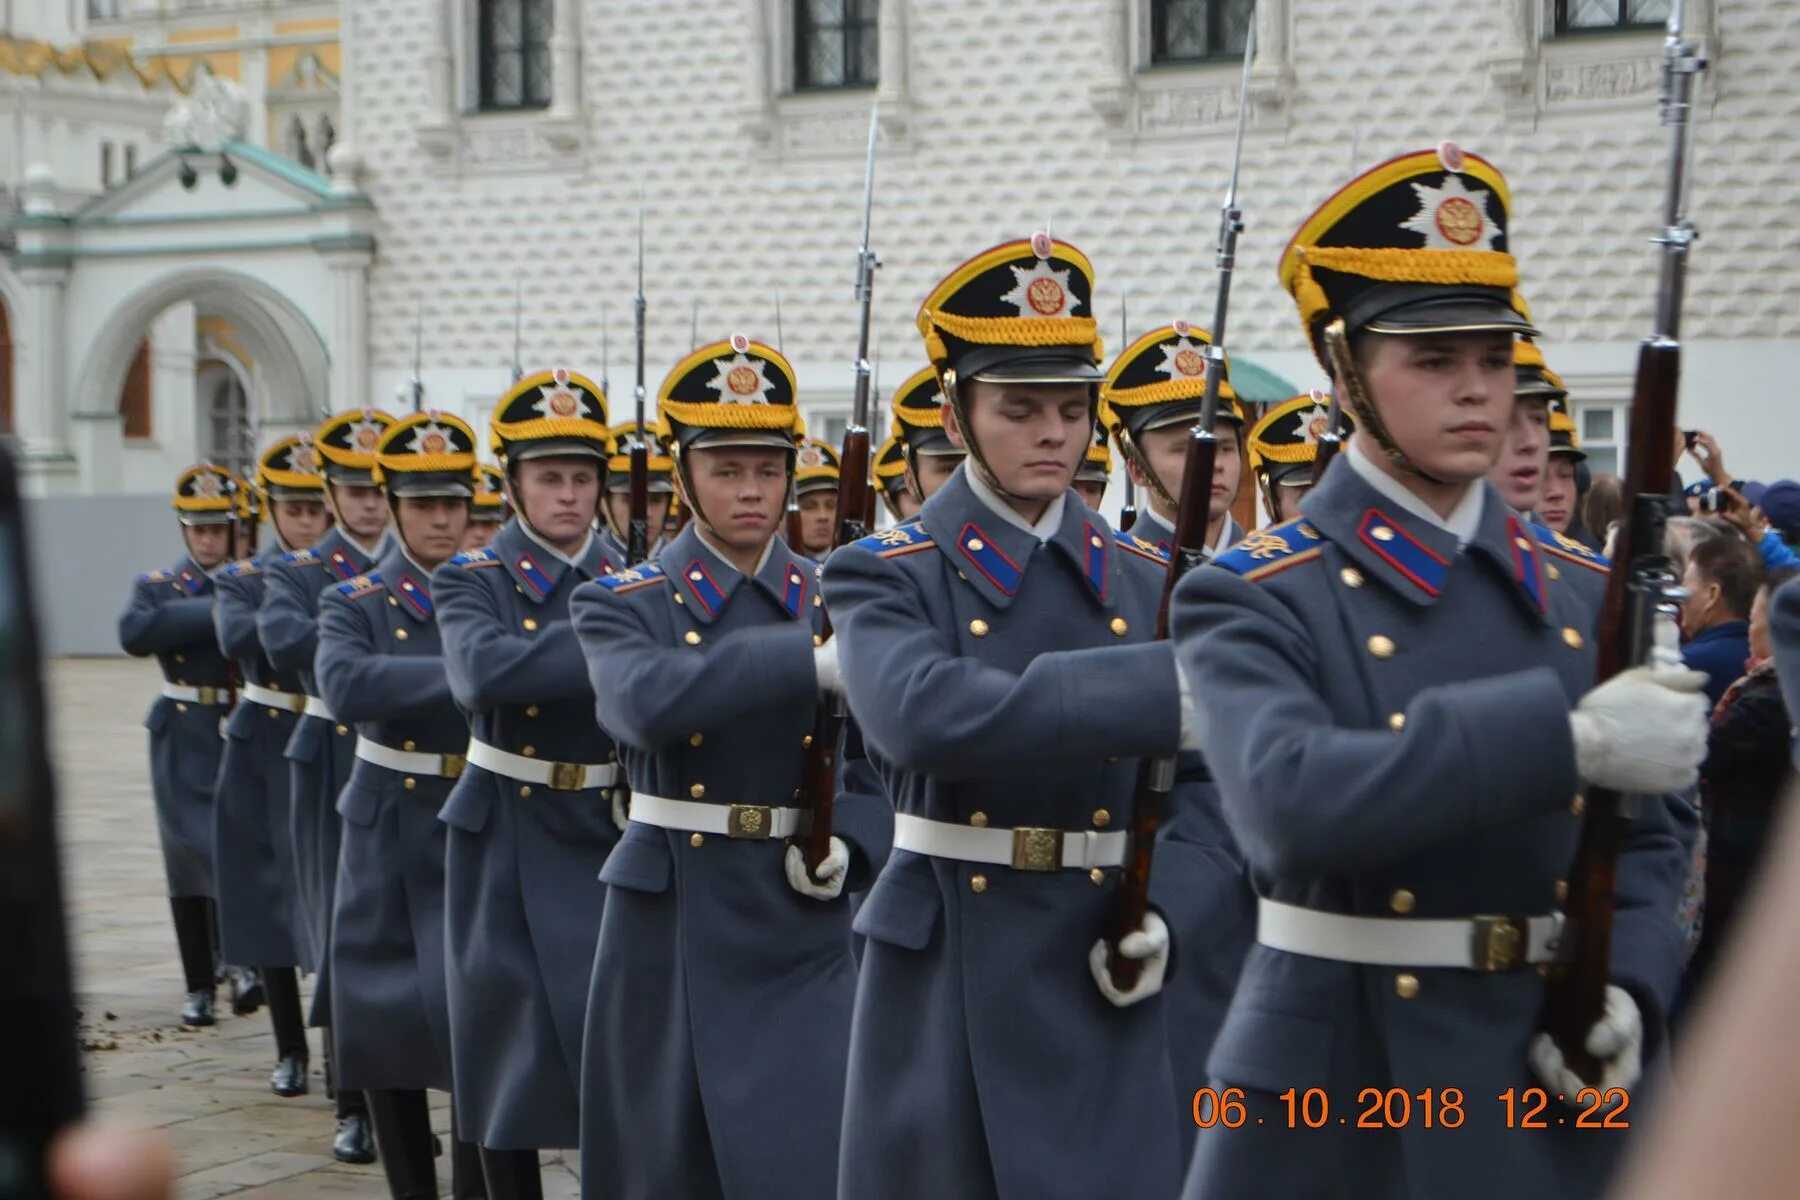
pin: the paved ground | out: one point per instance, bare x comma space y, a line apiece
206, 1089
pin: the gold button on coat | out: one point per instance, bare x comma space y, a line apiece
697, 839
697, 790
694, 739
1120, 627
401, 634
1381, 647
1402, 901
1382, 533
1351, 577
342, 730
532, 711
977, 545
529, 624
978, 820
408, 744
1397, 721
691, 637
1561, 891
1406, 985
525, 789
978, 884
529, 752
409, 783
1578, 805
1098, 876
1552, 572
1102, 818
978, 627
180, 707
1572, 638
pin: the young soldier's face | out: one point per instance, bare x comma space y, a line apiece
931, 472
1447, 398
1284, 502
558, 497
1033, 435
618, 511
208, 545
1091, 492
742, 492
1166, 451
432, 526
299, 522
1557, 509
363, 510
1520, 472
480, 535
818, 520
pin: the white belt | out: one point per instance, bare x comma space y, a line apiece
256, 693
1026, 848
1483, 943
197, 695
751, 821
444, 766
316, 707
558, 776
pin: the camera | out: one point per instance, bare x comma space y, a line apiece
1712, 500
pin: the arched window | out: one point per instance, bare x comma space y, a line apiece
1196, 30
836, 43
134, 397
515, 54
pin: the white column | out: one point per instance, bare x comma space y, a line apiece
565, 59
40, 402
1109, 92
758, 90
350, 381
892, 30
440, 62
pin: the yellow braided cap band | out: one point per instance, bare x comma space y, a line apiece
1007, 331
1392, 264
654, 463
890, 470
1555, 380
919, 418
542, 428
1287, 452
774, 417
423, 464
354, 459
1526, 354
816, 473
1562, 422
205, 504
267, 477
1165, 391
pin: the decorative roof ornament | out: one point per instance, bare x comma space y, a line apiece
214, 112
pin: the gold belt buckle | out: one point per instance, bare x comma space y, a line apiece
751, 821
1036, 849
207, 695
453, 765
567, 777
1499, 943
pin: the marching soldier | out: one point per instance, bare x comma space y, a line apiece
1153, 393
703, 669
1518, 473
931, 457
320, 752
170, 615
1095, 471
1394, 697
1283, 447
660, 494
890, 478
489, 511
999, 661
532, 818
816, 492
259, 918
380, 667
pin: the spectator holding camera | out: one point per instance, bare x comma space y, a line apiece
1769, 515
1721, 579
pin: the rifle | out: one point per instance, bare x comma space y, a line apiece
1156, 776
637, 539
1128, 514
820, 779
1638, 585
796, 527
418, 384
875, 424
1332, 440
518, 317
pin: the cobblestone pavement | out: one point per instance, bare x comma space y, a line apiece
206, 1089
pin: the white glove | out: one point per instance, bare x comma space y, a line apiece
1617, 1040
1665, 642
1190, 732
830, 883
825, 662
1150, 945
1642, 731
618, 808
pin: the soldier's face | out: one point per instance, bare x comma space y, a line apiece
1033, 435
1519, 474
741, 491
363, 510
432, 526
1091, 492
1557, 509
818, 521
1447, 398
480, 535
299, 522
207, 545
931, 472
656, 504
1284, 502
1166, 451
558, 497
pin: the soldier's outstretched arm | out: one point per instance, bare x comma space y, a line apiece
923, 705
288, 620
1305, 796
650, 690
146, 626
358, 679
491, 664
234, 617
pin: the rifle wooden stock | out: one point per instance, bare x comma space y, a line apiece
1156, 776
637, 540
1577, 993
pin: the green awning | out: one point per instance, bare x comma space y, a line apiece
1259, 385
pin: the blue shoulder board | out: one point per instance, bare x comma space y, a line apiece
1570, 549
1276, 548
244, 567
901, 539
300, 558
476, 558
362, 585
156, 576
1138, 546
633, 578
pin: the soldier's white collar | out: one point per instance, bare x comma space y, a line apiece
768, 549
1047, 526
1464, 520
547, 548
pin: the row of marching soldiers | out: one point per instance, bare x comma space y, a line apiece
536, 815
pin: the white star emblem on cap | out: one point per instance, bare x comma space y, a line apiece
431, 438
1041, 292
1183, 359
1313, 423
740, 381
1452, 217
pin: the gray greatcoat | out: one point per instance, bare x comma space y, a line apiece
523, 897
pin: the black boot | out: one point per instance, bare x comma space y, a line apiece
193, 938
355, 1141
246, 990
403, 1131
283, 988
466, 1179
512, 1174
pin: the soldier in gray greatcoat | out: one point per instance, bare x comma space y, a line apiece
1395, 693
320, 752
719, 1014
170, 615
1000, 662
381, 668
532, 818
259, 918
